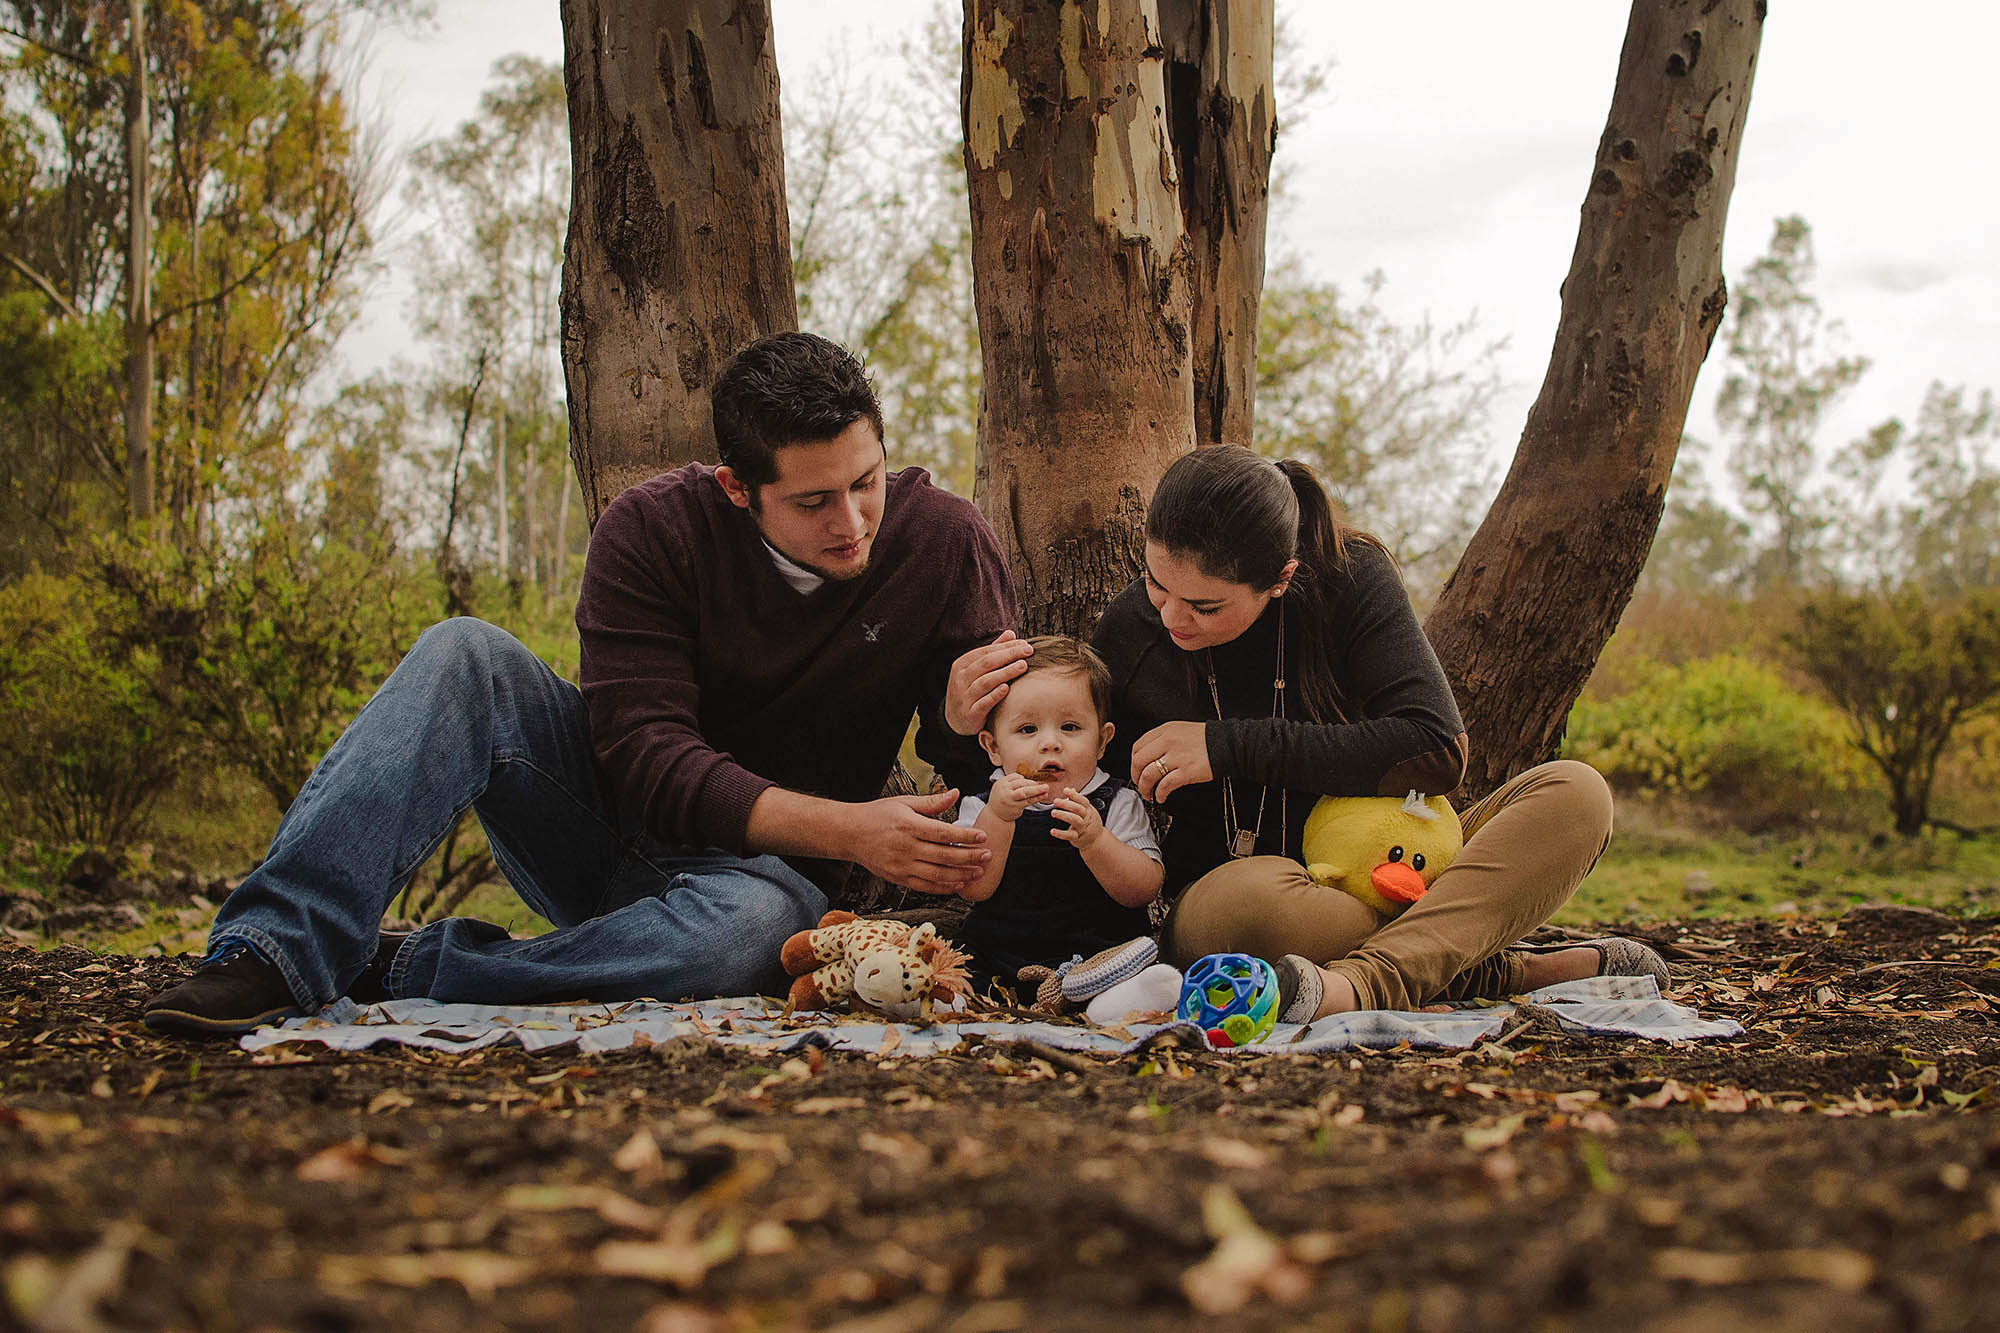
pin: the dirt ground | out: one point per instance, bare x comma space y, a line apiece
1838, 1167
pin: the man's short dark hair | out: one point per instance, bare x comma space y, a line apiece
788, 388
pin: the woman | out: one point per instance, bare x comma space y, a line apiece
1269, 656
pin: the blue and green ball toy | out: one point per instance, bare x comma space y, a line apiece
1232, 997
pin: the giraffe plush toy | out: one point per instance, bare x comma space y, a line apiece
889, 966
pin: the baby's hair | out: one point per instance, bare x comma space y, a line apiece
1059, 652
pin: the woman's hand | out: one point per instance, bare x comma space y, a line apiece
979, 680
1170, 756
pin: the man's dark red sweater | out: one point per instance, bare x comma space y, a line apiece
709, 678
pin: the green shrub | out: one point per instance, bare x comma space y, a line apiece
87, 737
1723, 728
269, 651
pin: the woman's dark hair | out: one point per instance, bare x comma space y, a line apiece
789, 388
1239, 516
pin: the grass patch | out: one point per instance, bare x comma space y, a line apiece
1669, 864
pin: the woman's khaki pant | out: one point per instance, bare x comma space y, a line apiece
1527, 847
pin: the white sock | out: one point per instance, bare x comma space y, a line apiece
1155, 990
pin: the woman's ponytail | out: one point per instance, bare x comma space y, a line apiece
1322, 555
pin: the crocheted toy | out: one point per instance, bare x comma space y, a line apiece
1378, 849
890, 966
1061, 990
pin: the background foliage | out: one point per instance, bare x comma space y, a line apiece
1810, 649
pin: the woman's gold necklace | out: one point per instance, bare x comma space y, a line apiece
1240, 841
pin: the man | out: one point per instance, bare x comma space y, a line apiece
755, 638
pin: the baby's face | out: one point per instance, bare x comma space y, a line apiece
1048, 729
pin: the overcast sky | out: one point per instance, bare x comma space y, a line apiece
1457, 139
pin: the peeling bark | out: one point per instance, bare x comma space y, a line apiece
1085, 275
1521, 622
679, 247
1221, 110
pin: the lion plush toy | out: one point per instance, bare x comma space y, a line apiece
1380, 850
888, 966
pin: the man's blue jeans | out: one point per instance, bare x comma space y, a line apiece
472, 718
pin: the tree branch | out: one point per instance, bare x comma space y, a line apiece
74, 57
43, 285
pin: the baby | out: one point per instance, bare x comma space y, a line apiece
1074, 860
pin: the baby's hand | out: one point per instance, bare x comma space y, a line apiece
1085, 826
1013, 794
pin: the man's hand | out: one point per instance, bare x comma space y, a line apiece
902, 840
1170, 756
1013, 793
979, 680
1085, 825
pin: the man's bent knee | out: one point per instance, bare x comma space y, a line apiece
465, 638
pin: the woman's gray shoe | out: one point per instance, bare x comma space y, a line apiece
1300, 988
1622, 957
233, 991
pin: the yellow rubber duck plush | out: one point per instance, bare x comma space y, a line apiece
1381, 850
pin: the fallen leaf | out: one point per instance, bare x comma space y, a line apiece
680, 1260
389, 1100
1485, 1138
768, 1237
617, 1209
1841, 1269
1247, 1261
348, 1160
904, 1151
1234, 1153
827, 1105
40, 1125
680, 1317
736, 1140
65, 1299
1669, 1091
640, 1156
480, 1272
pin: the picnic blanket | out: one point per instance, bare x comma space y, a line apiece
1602, 1006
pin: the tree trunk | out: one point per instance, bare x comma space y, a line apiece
138, 283
1082, 275
503, 558
679, 250
559, 570
1521, 622
1221, 111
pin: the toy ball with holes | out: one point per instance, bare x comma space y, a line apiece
1232, 997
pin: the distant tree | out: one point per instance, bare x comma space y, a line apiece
1940, 531
261, 181
1784, 378
1394, 416
1908, 671
1704, 546
495, 196
881, 241
1540, 587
